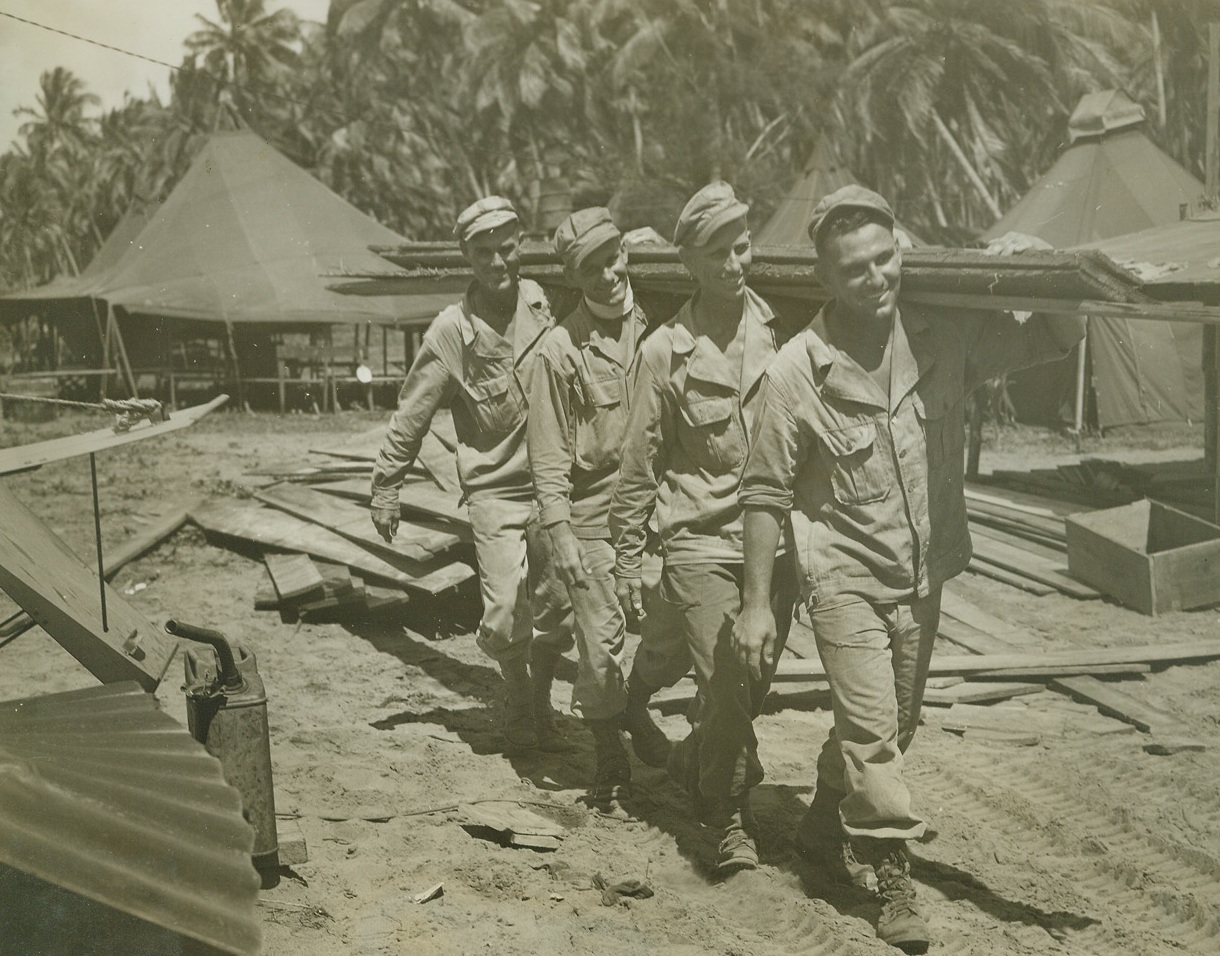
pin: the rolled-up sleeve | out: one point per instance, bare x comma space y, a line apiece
549, 434
650, 431
775, 451
429, 386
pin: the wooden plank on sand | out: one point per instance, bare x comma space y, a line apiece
972, 692
268, 528
415, 542
1022, 562
1114, 702
971, 638
1047, 661
419, 497
960, 609
292, 575
1019, 581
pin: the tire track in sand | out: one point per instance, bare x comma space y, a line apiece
1139, 886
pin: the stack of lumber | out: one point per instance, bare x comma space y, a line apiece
1102, 483
1020, 539
324, 559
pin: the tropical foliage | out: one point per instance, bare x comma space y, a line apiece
409, 108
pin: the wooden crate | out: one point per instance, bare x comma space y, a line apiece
1147, 555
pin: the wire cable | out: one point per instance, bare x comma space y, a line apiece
215, 79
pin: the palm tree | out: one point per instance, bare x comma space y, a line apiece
58, 124
984, 89
1170, 81
246, 50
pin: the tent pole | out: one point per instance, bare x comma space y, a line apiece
121, 349
1081, 355
1212, 171
241, 389
104, 338
1212, 369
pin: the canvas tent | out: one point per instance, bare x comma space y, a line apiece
246, 238
789, 224
1111, 181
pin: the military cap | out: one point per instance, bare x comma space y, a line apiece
483, 215
711, 208
848, 197
583, 232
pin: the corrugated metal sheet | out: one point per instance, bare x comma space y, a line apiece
106, 796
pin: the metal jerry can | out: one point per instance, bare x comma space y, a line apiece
226, 711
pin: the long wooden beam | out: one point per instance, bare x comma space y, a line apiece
1047, 662
42, 574
1153, 311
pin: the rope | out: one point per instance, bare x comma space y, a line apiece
126, 411
12, 397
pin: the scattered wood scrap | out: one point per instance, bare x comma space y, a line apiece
318, 513
266, 528
1018, 718
511, 825
337, 594
1170, 734
977, 692
414, 541
419, 497
292, 575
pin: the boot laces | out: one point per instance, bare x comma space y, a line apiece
894, 884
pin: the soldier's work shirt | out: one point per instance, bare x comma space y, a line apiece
578, 415
686, 441
484, 377
875, 488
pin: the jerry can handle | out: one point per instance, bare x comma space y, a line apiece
230, 676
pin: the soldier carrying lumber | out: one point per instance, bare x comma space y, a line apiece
859, 439
578, 415
477, 358
694, 398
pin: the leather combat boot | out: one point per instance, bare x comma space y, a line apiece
519, 731
546, 726
647, 739
821, 841
612, 779
738, 849
900, 924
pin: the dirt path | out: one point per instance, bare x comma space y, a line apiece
1080, 844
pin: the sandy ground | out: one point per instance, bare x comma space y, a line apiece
1082, 844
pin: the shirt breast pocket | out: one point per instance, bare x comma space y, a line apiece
859, 473
714, 437
493, 403
599, 423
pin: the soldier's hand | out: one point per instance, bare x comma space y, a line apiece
630, 594
565, 553
385, 520
754, 636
